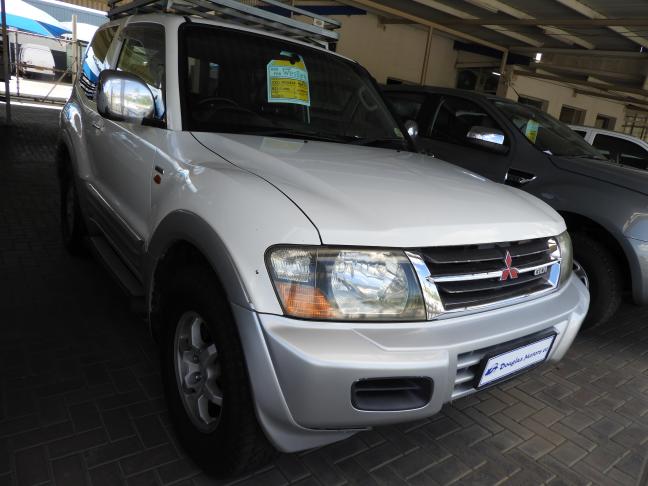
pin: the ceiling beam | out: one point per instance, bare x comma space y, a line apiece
589, 12
384, 9
549, 29
565, 79
623, 77
623, 99
562, 21
455, 12
579, 52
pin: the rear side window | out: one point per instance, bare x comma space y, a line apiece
455, 117
142, 54
95, 60
621, 151
407, 106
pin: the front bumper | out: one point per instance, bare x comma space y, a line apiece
302, 372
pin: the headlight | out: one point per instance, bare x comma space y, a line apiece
346, 284
566, 256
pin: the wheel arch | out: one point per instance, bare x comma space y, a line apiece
182, 238
578, 222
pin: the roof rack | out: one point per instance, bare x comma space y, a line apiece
262, 15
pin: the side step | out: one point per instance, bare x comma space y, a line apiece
124, 277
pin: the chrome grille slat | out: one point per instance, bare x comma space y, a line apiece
471, 277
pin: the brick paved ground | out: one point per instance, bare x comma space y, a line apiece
81, 402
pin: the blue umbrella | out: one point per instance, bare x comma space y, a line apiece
27, 18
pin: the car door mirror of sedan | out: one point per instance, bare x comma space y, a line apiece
488, 138
124, 97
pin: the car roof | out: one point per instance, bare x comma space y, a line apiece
171, 18
447, 91
612, 133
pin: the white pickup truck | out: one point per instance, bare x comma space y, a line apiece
305, 274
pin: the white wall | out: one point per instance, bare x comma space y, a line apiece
396, 50
558, 95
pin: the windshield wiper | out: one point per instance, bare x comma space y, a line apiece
299, 134
378, 141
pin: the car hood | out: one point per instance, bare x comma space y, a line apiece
377, 197
620, 175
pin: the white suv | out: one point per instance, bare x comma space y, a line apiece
306, 276
620, 148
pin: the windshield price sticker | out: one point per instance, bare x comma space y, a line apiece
288, 82
531, 130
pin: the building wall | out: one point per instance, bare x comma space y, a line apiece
396, 50
558, 95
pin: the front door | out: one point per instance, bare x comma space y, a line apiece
125, 153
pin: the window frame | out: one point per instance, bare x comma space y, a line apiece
440, 98
122, 37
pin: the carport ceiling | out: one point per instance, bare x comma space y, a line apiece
588, 24
599, 44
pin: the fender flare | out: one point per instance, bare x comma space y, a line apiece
185, 226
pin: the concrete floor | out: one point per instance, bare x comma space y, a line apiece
81, 401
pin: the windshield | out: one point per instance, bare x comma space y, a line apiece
546, 133
240, 82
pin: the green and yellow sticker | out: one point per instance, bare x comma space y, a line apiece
288, 81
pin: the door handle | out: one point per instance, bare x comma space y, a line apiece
98, 124
518, 178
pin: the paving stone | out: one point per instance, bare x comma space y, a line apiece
69, 471
536, 447
147, 459
569, 453
106, 475
31, 466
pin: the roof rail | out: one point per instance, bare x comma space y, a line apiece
262, 15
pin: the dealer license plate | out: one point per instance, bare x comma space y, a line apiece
516, 360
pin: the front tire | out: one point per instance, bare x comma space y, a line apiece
205, 377
596, 267
73, 229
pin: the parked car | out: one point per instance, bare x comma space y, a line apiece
36, 60
604, 204
620, 148
306, 274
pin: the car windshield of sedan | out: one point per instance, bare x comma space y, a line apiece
242, 82
546, 133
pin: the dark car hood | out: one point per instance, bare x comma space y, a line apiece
619, 175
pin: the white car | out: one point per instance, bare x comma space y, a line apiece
306, 275
619, 147
36, 60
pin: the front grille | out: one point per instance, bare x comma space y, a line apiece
475, 276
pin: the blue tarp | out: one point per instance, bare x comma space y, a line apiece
30, 25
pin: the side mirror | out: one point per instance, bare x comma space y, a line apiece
125, 97
488, 138
412, 128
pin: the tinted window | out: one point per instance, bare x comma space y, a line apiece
406, 105
582, 133
621, 151
243, 83
142, 54
95, 60
453, 119
545, 132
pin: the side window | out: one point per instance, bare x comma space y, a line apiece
455, 117
95, 60
407, 106
621, 151
142, 54
582, 133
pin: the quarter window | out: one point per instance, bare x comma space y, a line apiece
142, 54
621, 151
